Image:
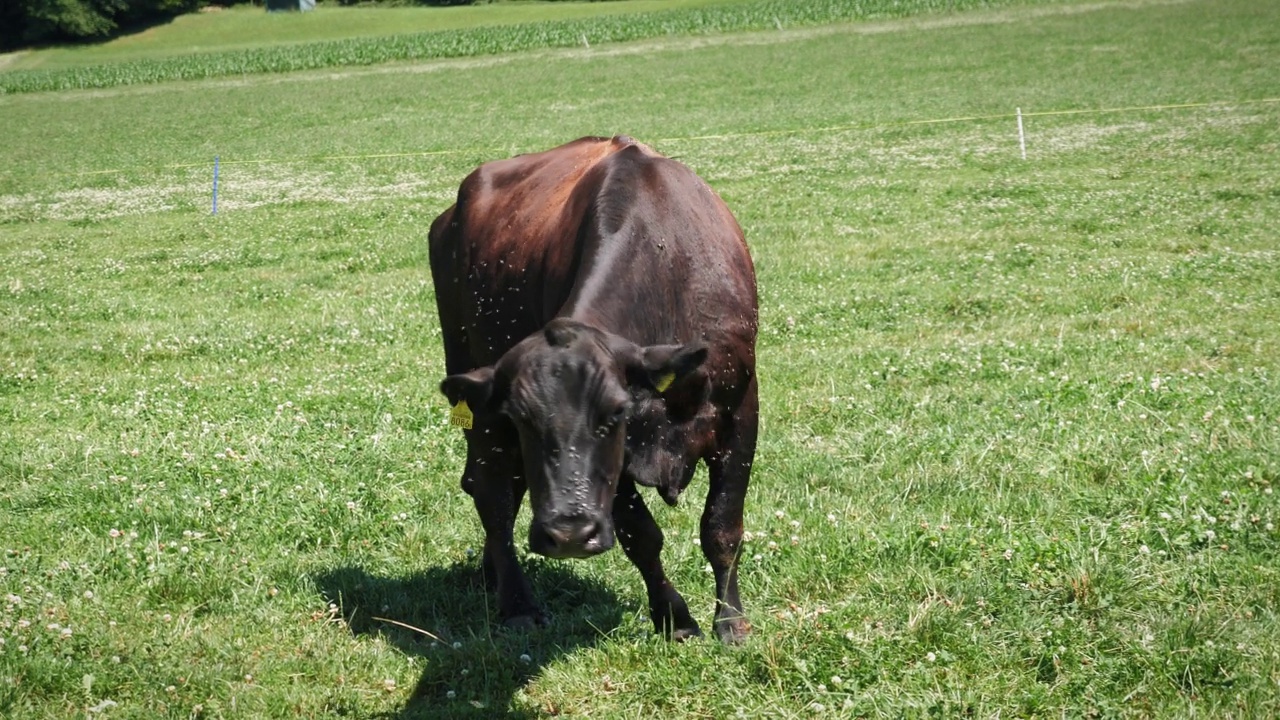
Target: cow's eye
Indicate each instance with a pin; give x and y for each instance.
(614, 419)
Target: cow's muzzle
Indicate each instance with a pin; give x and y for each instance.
(573, 536)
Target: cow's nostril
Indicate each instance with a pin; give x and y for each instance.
(569, 538)
(561, 535)
(573, 534)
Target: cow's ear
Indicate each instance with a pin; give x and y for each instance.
(665, 365)
(475, 387)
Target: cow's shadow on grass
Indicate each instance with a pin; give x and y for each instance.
(473, 665)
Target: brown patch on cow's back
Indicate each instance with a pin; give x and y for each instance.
(622, 142)
(550, 175)
(501, 189)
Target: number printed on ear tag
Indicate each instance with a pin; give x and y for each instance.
(460, 416)
(664, 382)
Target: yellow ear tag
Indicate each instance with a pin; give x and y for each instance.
(664, 382)
(460, 416)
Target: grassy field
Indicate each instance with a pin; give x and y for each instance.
(1019, 437)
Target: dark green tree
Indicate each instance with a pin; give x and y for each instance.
(24, 23)
(47, 20)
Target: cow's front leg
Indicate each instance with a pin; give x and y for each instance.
(730, 472)
(494, 482)
(641, 539)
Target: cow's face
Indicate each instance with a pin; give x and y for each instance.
(570, 392)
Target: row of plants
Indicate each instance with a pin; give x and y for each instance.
(760, 15)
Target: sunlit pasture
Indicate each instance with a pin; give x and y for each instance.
(1019, 435)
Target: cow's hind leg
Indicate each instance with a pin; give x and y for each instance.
(493, 481)
(730, 471)
(641, 539)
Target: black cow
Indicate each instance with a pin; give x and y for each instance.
(598, 305)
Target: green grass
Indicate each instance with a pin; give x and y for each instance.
(1019, 443)
(570, 25)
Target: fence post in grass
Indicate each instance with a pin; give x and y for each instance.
(1022, 139)
(215, 185)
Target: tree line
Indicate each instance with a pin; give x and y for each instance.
(30, 23)
(26, 23)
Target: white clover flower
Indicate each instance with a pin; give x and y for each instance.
(930, 657)
(525, 658)
(779, 514)
(451, 694)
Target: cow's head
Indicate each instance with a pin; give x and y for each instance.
(571, 391)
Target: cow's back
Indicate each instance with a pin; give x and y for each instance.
(599, 225)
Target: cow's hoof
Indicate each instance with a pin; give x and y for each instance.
(674, 622)
(733, 631)
(525, 622)
(682, 634)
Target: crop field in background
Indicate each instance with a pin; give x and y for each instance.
(1019, 437)
(467, 32)
(246, 26)
(243, 26)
